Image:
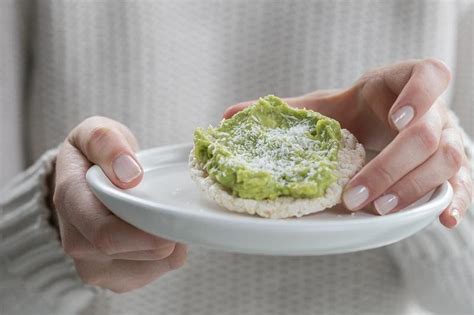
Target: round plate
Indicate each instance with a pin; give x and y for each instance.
(167, 203)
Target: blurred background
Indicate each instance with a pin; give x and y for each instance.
(60, 54)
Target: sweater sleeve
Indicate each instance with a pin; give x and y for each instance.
(32, 262)
(437, 263)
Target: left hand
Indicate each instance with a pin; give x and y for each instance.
(397, 110)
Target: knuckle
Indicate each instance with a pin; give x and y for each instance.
(67, 198)
(427, 137)
(93, 120)
(414, 187)
(438, 65)
(370, 75)
(59, 193)
(464, 181)
(372, 85)
(453, 154)
(382, 174)
(421, 88)
(96, 137)
(62, 192)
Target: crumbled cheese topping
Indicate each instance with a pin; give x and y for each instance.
(288, 154)
(270, 150)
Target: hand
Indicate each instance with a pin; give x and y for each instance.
(397, 110)
(107, 251)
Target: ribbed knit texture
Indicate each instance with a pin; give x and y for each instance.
(36, 277)
(165, 67)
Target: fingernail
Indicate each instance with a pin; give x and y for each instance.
(456, 215)
(402, 117)
(126, 168)
(355, 196)
(385, 203)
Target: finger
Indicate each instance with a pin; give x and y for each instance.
(125, 275)
(462, 187)
(120, 275)
(428, 79)
(377, 96)
(435, 171)
(409, 149)
(76, 245)
(331, 103)
(234, 109)
(104, 142)
(300, 102)
(152, 254)
(77, 205)
(462, 199)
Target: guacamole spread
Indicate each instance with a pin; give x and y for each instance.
(271, 150)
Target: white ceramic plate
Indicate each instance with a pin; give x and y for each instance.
(167, 203)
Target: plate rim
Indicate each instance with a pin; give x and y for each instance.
(104, 186)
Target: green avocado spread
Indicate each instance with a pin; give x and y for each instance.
(271, 150)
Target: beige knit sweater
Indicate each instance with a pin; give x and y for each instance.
(145, 63)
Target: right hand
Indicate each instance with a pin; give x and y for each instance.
(107, 251)
(396, 110)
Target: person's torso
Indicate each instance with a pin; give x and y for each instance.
(165, 67)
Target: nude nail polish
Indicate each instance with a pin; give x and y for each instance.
(355, 196)
(126, 168)
(402, 116)
(384, 204)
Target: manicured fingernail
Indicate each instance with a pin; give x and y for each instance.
(126, 168)
(402, 117)
(385, 203)
(456, 215)
(355, 196)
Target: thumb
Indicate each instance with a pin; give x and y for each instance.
(234, 109)
(110, 145)
(320, 101)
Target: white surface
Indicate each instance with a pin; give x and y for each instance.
(167, 203)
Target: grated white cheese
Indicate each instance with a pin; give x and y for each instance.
(288, 154)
